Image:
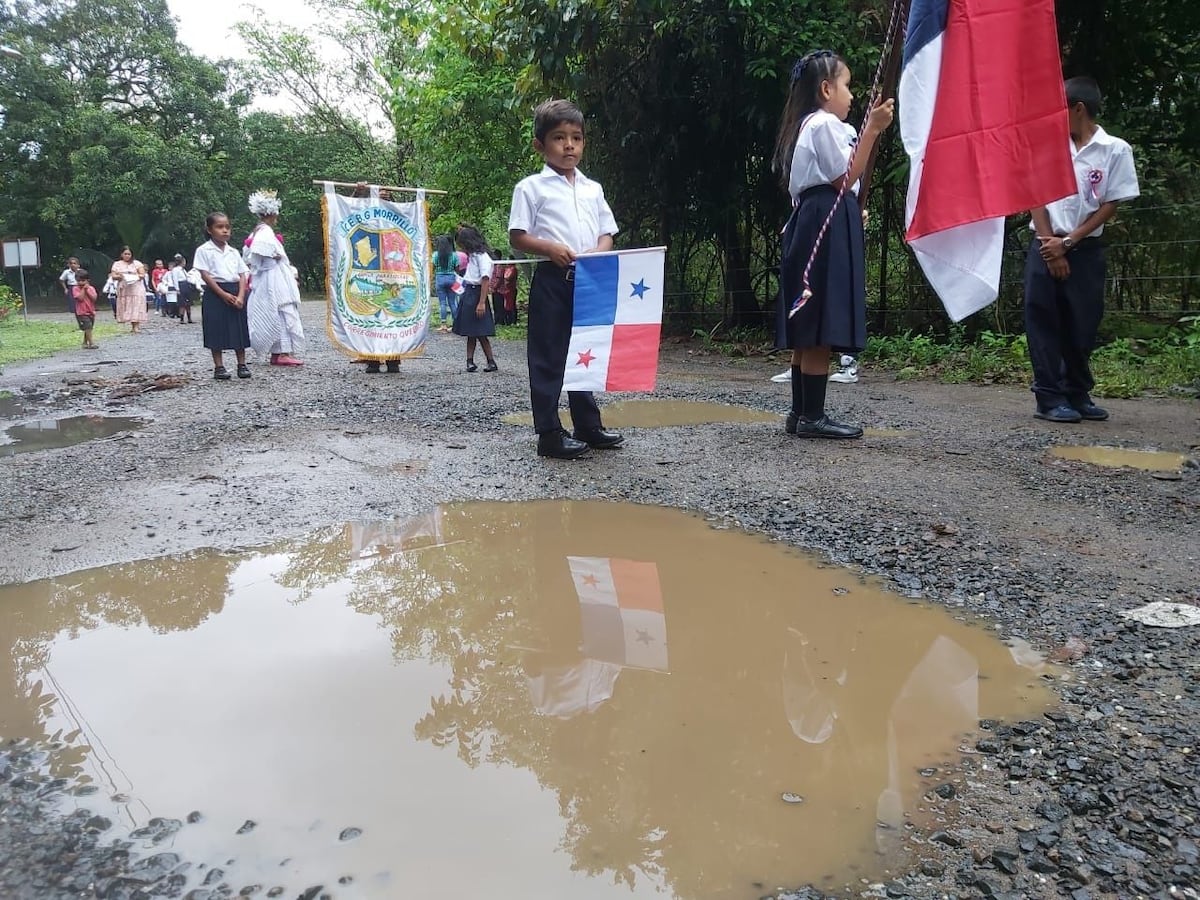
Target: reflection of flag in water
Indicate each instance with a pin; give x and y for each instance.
(617, 322)
(622, 611)
(369, 539)
(567, 691)
(983, 116)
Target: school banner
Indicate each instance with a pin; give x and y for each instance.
(377, 275)
(617, 321)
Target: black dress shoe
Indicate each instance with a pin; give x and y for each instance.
(599, 439)
(793, 419)
(372, 368)
(221, 373)
(560, 445)
(1060, 413)
(243, 371)
(826, 427)
(393, 366)
(1091, 411)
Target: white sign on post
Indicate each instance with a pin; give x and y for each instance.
(22, 254)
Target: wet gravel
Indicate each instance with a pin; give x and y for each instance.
(1097, 799)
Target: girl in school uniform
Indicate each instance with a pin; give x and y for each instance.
(223, 305)
(474, 317)
(811, 156)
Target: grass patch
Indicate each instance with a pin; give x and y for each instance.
(19, 341)
(1124, 367)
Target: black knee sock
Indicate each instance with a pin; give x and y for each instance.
(797, 391)
(814, 396)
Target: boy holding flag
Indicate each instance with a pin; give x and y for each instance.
(558, 214)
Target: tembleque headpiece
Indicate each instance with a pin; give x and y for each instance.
(264, 203)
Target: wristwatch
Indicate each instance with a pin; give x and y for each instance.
(1068, 243)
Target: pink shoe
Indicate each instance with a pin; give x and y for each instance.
(285, 360)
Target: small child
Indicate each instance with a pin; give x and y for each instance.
(474, 318)
(84, 296)
(812, 152)
(558, 214)
(223, 305)
(190, 286)
(110, 291)
(169, 286)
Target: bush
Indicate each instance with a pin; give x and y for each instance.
(10, 302)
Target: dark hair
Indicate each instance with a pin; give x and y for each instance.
(212, 220)
(469, 238)
(84, 274)
(443, 252)
(123, 249)
(552, 113)
(72, 259)
(1085, 90)
(804, 97)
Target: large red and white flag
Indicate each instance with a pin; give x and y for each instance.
(983, 116)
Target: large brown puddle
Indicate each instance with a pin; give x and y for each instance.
(52, 434)
(663, 414)
(552, 699)
(1115, 457)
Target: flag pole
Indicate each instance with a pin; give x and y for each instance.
(887, 88)
(540, 259)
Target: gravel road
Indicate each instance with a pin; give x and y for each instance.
(960, 503)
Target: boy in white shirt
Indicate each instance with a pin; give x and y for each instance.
(1065, 266)
(558, 214)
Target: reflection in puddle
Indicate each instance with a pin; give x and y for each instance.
(1115, 457)
(52, 434)
(663, 414)
(887, 433)
(10, 406)
(551, 699)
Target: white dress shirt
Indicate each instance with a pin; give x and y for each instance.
(479, 267)
(222, 264)
(822, 152)
(548, 206)
(1104, 173)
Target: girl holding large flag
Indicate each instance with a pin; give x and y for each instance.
(274, 306)
(823, 306)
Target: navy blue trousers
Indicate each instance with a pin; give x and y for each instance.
(551, 311)
(1062, 321)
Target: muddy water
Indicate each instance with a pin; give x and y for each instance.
(1115, 457)
(51, 434)
(663, 414)
(519, 700)
(10, 406)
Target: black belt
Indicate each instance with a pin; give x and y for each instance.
(550, 269)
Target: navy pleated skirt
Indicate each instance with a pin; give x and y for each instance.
(836, 314)
(466, 323)
(224, 327)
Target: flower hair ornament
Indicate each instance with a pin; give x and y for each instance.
(264, 203)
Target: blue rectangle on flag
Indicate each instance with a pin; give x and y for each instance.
(596, 290)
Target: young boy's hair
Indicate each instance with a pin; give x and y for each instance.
(1085, 90)
(82, 275)
(553, 113)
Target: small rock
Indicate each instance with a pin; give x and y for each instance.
(932, 868)
(248, 826)
(349, 834)
(946, 791)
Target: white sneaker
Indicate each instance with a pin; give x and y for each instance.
(783, 377)
(845, 375)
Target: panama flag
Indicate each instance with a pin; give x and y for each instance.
(620, 602)
(983, 116)
(618, 321)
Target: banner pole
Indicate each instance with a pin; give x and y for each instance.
(382, 187)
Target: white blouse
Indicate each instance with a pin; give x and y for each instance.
(822, 152)
(223, 264)
(479, 267)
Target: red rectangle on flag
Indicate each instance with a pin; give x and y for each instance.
(636, 584)
(633, 365)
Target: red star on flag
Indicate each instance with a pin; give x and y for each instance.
(590, 580)
(585, 358)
